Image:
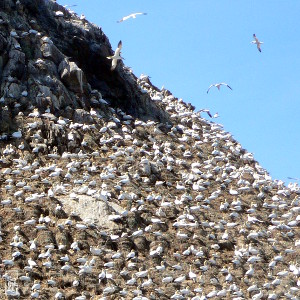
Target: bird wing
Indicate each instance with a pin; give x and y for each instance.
(210, 87)
(113, 64)
(208, 112)
(258, 47)
(120, 45)
(139, 13)
(125, 18)
(118, 50)
(223, 83)
(256, 39)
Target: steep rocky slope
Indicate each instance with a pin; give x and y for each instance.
(113, 189)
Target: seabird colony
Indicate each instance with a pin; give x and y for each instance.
(139, 209)
(177, 212)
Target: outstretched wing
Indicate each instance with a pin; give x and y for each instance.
(113, 64)
(118, 50)
(125, 18)
(210, 88)
(223, 83)
(256, 39)
(205, 110)
(258, 47)
(139, 13)
(208, 112)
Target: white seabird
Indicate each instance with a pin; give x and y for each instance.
(218, 85)
(116, 56)
(257, 42)
(133, 16)
(66, 6)
(207, 111)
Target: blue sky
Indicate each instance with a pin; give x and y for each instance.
(188, 45)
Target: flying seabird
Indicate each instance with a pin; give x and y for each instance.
(116, 56)
(257, 42)
(207, 111)
(218, 85)
(131, 16)
(66, 6)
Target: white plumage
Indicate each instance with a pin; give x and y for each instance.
(133, 16)
(116, 56)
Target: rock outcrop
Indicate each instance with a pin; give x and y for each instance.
(51, 58)
(113, 189)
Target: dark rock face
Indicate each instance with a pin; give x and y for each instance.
(58, 60)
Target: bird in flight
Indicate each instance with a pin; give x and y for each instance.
(66, 6)
(207, 111)
(257, 42)
(218, 85)
(216, 115)
(133, 16)
(116, 56)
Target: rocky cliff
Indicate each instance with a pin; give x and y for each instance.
(114, 189)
